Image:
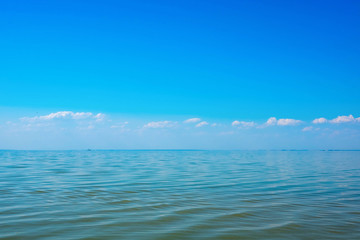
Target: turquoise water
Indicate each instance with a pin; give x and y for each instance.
(179, 195)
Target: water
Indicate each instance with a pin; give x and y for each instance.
(179, 195)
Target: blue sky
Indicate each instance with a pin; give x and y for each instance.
(154, 61)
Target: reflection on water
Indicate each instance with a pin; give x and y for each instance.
(179, 195)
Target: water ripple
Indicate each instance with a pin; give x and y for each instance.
(179, 195)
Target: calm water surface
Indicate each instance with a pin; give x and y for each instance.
(179, 195)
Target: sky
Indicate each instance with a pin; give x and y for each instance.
(129, 74)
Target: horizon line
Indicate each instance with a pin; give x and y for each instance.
(179, 149)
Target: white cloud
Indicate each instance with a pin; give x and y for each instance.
(310, 128)
(203, 123)
(306, 129)
(344, 119)
(159, 124)
(192, 120)
(320, 120)
(242, 123)
(99, 117)
(288, 122)
(81, 115)
(282, 122)
(271, 121)
(339, 119)
(65, 115)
